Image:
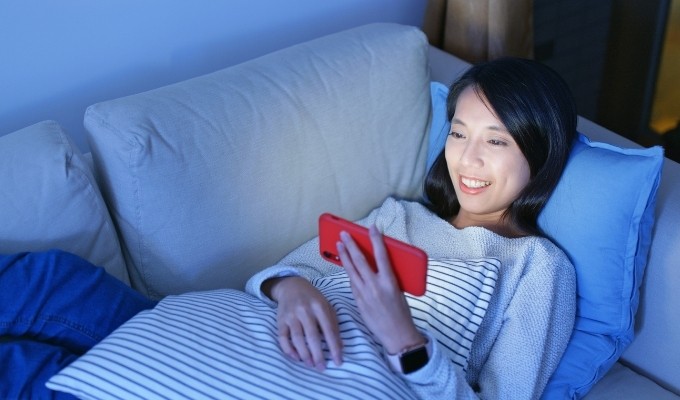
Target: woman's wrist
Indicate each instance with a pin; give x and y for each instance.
(404, 343)
(412, 358)
(269, 285)
(272, 287)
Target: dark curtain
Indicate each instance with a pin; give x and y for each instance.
(481, 30)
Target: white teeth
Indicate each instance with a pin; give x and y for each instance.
(474, 183)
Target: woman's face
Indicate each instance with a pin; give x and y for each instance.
(486, 166)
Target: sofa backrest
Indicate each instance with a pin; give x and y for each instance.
(211, 179)
(49, 199)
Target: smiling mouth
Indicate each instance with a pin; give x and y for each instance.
(474, 183)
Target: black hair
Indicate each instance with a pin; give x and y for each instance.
(538, 110)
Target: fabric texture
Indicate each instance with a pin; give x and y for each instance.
(613, 191)
(223, 344)
(480, 30)
(623, 383)
(49, 199)
(55, 307)
(601, 214)
(524, 330)
(439, 127)
(512, 363)
(27, 365)
(346, 114)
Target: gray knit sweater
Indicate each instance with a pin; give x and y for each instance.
(527, 324)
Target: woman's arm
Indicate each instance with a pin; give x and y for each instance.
(536, 319)
(537, 326)
(304, 316)
(304, 319)
(305, 261)
(385, 311)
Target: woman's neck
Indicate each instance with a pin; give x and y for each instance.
(496, 224)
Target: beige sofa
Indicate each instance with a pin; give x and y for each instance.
(200, 184)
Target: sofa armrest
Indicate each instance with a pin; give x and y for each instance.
(622, 383)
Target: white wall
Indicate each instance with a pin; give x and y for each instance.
(58, 57)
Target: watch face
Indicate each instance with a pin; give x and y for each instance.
(414, 360)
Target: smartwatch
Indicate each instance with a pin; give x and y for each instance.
(411, 359)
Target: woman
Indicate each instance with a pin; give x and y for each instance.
(512, 125)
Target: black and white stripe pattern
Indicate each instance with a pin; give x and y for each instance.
(458, 295)
(223, 344)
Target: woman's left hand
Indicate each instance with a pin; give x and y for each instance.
(382, 304)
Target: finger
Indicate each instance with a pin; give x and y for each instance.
(331, 332)
(297, 339)
(355, 254)
(313, 339)
(347, 263)
(382, 259)
(357, 282)
(310, 338)
(286, 345)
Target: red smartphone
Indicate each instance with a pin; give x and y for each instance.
(408, 262)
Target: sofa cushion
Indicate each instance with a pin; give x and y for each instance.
(601, 214)
(622, 383)
(49, 199)
(214, 178)
(223, 343)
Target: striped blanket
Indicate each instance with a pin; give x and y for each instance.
(223, 344)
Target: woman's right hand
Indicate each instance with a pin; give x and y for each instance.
(304, 319)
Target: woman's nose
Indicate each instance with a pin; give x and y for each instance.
(471, 154)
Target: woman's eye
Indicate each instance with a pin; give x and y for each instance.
(497, 142)
(456, 135)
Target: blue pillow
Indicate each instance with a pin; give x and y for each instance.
(439, 126)
(601, 214)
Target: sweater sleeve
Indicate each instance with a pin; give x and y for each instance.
(537, 324)
(439, 378)
(304, 261)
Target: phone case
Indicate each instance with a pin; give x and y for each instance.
(409, 263)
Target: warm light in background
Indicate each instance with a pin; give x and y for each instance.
(666, 107)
